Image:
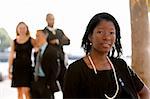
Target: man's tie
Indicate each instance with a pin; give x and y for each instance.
(38, 64)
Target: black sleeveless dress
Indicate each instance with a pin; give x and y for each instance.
(22, 65)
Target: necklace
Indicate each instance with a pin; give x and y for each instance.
(114, 72)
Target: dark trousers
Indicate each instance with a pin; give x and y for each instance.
(39, 89)
(60, 77)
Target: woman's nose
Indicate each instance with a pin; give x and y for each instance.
(106, 35)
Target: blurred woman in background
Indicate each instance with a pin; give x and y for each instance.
(20, 64)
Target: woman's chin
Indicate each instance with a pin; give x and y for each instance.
(106, 50)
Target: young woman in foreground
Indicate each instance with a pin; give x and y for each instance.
(101, 73)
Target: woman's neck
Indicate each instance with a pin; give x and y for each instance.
(98, 56)
(100, 60)
(22, 38)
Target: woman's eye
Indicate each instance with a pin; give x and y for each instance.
(100, 32)
(112, 32)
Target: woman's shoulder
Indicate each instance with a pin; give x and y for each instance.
(76, 65)
(32, 41)
(118, 60)
(14, 41)
(119, 63)
(20, 41)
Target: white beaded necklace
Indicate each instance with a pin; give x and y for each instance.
(114, 72)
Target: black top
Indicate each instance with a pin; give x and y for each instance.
(23, 52)
(82, 82)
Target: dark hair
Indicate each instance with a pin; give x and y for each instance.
(91, 26)
(27, 33)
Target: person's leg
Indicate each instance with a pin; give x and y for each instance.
(35, 94)
(20, 93)
(26, 91)
(46, 93)
(61, 75)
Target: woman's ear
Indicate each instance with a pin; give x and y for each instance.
(90, 37)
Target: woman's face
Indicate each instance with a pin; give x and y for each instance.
(22, 29)
(103, 37)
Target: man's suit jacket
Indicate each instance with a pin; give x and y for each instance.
(63, 40)
(49, 63)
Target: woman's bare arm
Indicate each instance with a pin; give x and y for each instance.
(10, 60)
(144, 93)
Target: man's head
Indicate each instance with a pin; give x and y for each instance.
(50, 19)
(41, 37)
